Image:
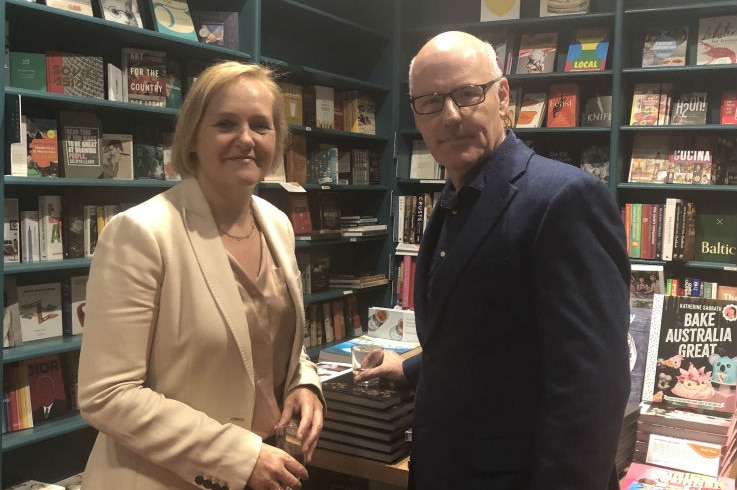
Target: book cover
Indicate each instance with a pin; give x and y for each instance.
(328, 211)
(148, 161)
(645, 104)
(378, 396)
(686, 419)
(173, 84)
(12, 333)
(370, 433)
(114, 83)
(717, 40)
(398, 417)
(499, 10)
(299, 212)
(16, 136)
(642, 475)
(727, 292)
(515, 96)
(728, 108)
(532, 110)
(689, 166)
(359, 112)
(82, 7)
(501, 41)
(172, 17)
(40, 311)
(48, 395)
(75, 74)
(28, 70)
(563, 7)
(360, 166)
(11, 231)
(167, 144)
(74, 294)
(322, 166)
(364, 439)
(595, 160)
(342, 352)
(73, 231)
(689, 108)
(563, 107)
(144, 76)
(422, 165)
(81, 144)
(30, 236)
(292, 102)
(295, 158)
(597, 111)
(117, 156)
(665, 46)
(43, 147)
(537, 52)
(649, 161)
(50, 227)
(716, 237)
(692, 359)
(588, 50)
(124, 12)
(217, 28)
(363, 452)
(324, 107)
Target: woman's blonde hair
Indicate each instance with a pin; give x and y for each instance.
(208, 83)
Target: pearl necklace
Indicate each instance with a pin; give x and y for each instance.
(238, 238)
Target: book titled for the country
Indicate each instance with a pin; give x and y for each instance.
(144, 76)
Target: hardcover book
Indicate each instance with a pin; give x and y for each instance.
(292, 100)
(379, 396)
(74, 294)
(83, 7)
(322, 166)
(75, 74)
(537, 52)
(422, 165)
(645, 104)
(359, 112)
(641, 475)
(28, 70)
(324, 107)
(342, 352)
(11, 231)
(515, 96)
(691, 355)
(532, 110)
(114, 83)
(588, 50)
(148, 161)
(393, 418)
(689, 108)
(16, 136)
(686, 419)
(563, 7)
(81, 144)
(665, 46)
(117, 156)
(717, 40)
(50, 227)
(649, 161)
(295, 158)
(12, 335)
(597, 111)
(40, 311)
(728, 109)
(144, 76)
(217, 28)
(43, 147)
(499, 10)
(363, 452)
(716, 237)
(172, 17)
(299, 212)
(364, 440)
(121, 12)
(30, 236)
(563, 107)
(48, 395)
(595, 160)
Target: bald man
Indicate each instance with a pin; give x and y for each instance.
(521, 298)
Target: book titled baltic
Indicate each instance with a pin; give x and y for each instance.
(499, 10)
(665, 46)
(588, 50)
(144, 76)
(717, 40)
(716, 237)
(75, 74)
(692, 357)
(40, 311)
(173, 18)
(563, 7)
(537, 52)
(642, 475)
(81, 144)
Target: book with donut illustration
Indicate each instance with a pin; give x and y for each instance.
(692, 357)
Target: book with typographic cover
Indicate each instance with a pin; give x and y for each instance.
(144, 76)
(717, 40)
(378, 396)
(728, 109)
(43, 147)
(537, 52)
(689, 108)
(48, 394)
(563, 110)
(716, 237)
(588, 49)
(691, 357)
(665, 46)
(81, 144)
(642, 475)
(597, 111)
(75, 74)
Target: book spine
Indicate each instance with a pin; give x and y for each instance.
(669, 227)
(636, 231)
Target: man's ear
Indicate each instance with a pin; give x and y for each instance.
(503, 97)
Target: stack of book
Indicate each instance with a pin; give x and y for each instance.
(626, 444)
(367, 421)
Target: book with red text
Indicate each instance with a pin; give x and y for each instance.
(641, 476)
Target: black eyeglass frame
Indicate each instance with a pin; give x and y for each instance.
(446, 95)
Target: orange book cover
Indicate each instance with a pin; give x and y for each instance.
(563, 110)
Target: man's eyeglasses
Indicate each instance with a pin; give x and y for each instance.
(461, 97)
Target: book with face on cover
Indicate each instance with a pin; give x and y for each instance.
(124, 12)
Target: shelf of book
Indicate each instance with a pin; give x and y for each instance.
(47, 265)
(39, 348)
(97, 183)
(42, 432)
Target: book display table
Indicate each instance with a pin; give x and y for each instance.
(392, 474)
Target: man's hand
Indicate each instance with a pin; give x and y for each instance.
(388, 366)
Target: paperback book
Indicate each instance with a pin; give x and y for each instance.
(172, 17)
(597, 111)
(499, 10)
(717, 40)
(537, 52)
(532, 110)
(217, 28)
(728, 109)
(124, 12)
(692, 358)
(716, 237)
(40, 311)
(28, 70)
(48, 395)
(588, 50)
(81, 144)
(689, 108)
(75, 74)
(563, 107)
(144, 76)
(43, 147)
(665, 46)
(641, 476)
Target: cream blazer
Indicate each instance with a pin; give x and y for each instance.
(166, 371)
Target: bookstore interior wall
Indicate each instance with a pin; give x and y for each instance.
(649, 118)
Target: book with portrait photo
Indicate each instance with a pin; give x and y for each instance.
(48, 395)
(124, 12)
(117, 156)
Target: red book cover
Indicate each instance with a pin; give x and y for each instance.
(299, 214)
(645, 223)
(48, 396)
(640, 475)
(728, 112)
(563, 106)
(54, 72)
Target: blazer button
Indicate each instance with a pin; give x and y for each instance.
(199, 480)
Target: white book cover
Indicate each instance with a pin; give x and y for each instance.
(49, 215)
(686, 455)
(422, 165)
(117, 156)
(11, 235)
(89, 212)
(499, 10)
(114, 83)
(717, 40)
(324, 107)
(40, 311)
(30, 238)
(12, 335)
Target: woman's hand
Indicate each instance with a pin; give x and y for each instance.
(276, 470)
(307, 404)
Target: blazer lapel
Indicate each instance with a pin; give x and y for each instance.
(213, 262)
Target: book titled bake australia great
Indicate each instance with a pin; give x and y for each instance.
(144, 76)
(642, 476)
(692, 355)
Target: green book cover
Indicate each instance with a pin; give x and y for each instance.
(716, 237)
(28, 70)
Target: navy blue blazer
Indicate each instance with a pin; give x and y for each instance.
(524, 374)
